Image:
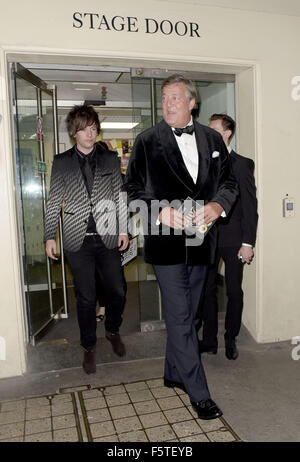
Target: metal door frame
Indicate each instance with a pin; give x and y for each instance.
(17, 69)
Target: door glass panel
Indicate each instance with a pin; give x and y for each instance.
(49, 150)
(219, 98)
(149, 295)
(30, 200)
(159, 115)
(141, 103)
(214, 97)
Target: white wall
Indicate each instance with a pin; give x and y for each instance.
(268, 126)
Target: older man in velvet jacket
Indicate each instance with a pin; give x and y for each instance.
(176, 159)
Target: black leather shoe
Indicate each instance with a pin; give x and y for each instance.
(89, 362)
(207, 409)
(231, 352)
(172, 384)
(209, 349)
(117, 344)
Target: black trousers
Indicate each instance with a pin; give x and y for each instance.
(100, 291)
(181, 288)
(94, 257)
(209, 312)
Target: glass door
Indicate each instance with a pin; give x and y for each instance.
(145, 115)
(216, 94)
(33, 113)
(48, 149)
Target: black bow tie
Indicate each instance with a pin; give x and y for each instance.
(189, 129)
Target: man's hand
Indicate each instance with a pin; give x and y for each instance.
(51, 249)
(172, 218)
(123, 242)
(210, 212)
(246, 254)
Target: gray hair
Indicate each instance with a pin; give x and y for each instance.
(178, 78)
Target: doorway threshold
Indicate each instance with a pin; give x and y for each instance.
(63, 354)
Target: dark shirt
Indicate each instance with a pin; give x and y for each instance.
(91, 228)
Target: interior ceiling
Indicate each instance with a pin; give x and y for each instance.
(76, 84)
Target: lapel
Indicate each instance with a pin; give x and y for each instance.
(175, 159)
(101, 170)
(203, 153)
(77, 175)
(97, 177)
(173, 155)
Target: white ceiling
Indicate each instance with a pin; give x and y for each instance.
(127, 98)
(123, 87)
(75, 85)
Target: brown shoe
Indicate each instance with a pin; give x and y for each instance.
(117, 344)
(89, 362)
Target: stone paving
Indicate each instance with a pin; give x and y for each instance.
(131, 412)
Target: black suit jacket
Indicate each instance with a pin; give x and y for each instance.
(156, 171)
(67, 184)
(241, 224)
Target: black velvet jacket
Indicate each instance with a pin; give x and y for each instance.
(156, 171)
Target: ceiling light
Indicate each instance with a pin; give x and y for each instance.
(85, 83)
(82, 89)
(118, 125)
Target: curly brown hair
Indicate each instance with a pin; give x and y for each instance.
(81, 117)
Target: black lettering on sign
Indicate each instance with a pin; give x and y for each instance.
(121, 23)
(77, 17)
(131, 24)
(194, 28)
(179, 28)
(91, 15)
(149, 26)
(166, 27)
(104, 22)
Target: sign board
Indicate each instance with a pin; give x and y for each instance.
(41, 167)
(39, 129)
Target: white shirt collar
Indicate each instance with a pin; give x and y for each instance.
(190, 123)
(229, 148)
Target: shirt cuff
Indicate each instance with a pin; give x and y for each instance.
(247, 245)
(223, 214)
(157, 222)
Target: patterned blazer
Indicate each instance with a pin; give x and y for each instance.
(108, 208)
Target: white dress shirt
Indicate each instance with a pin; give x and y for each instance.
(189, 151)
(188, 148)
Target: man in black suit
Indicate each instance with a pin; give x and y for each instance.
(87, 179)
(175, 159)
(237, 235)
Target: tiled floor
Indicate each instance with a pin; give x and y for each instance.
(131, 412)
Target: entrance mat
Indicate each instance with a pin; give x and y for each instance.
(129, 412)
